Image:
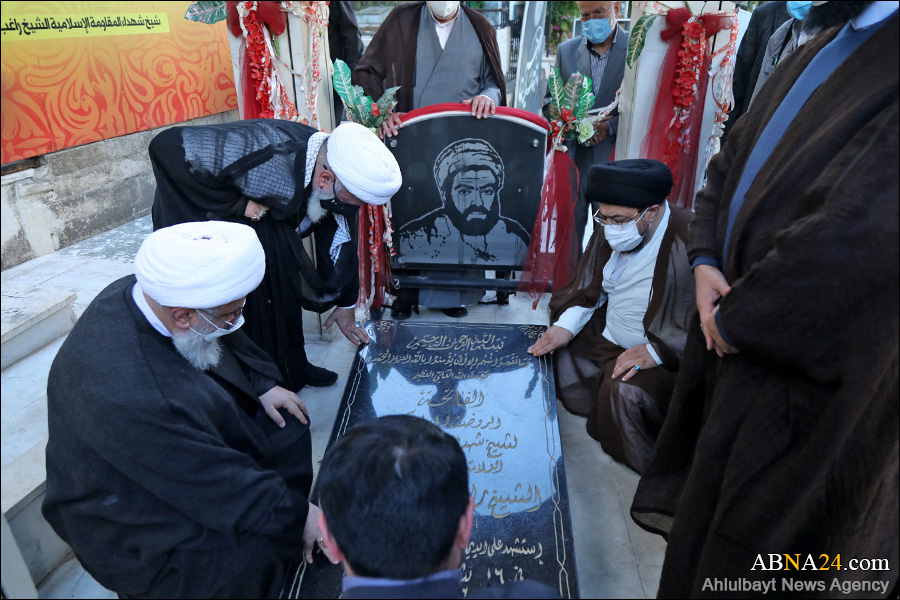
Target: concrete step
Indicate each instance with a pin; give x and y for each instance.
(22, 456)
(32, 318)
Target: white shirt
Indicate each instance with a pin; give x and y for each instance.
(628, 286)
(443, 29)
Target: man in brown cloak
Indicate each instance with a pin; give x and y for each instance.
(436, 52)
(784, 441)
(620, 325)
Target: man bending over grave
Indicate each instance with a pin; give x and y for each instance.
(287, 181)
(394, 493)
(164, 473)
(468, 228)
(620, 325)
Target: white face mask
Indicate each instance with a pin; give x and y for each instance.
(443, 10)
(218, 331)
(623, 238)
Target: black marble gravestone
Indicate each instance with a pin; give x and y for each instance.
(476, 382)
(471, 188)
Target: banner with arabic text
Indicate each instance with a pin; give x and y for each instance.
(79, 72)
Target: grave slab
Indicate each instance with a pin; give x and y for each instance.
(478, 383)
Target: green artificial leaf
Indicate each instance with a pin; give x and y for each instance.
(572, 91)
(363, 105)
(207, 11)
(555, 86)
(585, 102)
(365, 109)
(637, 38)
(386, 103)
(343, 87)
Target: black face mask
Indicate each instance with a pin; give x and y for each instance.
(341, 208)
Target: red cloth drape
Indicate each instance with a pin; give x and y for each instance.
(551, 253)
(665, 134)
(254, 62)
(374, 261)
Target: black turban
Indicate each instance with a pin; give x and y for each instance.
(636, 182)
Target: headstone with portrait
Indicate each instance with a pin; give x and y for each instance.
(478, 383)
(471, 188)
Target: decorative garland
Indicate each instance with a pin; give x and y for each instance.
(722, 90)
(271, 97)
(315, 14)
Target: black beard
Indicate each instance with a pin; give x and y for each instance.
(832, 14)
(474, 227)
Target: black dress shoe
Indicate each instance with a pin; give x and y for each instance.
(455, 313)
(314, 376)
(401, 313)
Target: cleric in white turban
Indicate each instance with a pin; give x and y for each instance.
(282, 179)
(164, 473)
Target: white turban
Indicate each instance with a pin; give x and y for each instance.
(363, 163)
(200, 265)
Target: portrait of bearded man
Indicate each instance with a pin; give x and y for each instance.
(468, 228)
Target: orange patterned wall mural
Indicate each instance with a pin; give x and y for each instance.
(79, 72)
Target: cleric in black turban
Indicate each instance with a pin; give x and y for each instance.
(619, 326)
(636, 182)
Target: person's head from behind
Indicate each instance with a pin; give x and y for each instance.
(630, 194)
(469, 175)
(395, 499)
(196, 277)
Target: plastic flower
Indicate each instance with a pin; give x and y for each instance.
(585, 131)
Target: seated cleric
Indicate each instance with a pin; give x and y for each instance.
(164, 473)
(396, 510)
(619, 327)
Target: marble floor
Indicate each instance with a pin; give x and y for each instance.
(614, 557)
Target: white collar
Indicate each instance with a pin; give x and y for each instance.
(875, 13)
(137, 293)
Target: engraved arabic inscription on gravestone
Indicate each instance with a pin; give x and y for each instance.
(478, 383)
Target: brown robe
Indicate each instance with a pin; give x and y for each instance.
(626, 417)
(791, 445)
(390, 58)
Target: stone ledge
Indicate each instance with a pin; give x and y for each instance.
(31, 318)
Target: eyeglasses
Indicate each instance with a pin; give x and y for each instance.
(229, 318)
(606, 221)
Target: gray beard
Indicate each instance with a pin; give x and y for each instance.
(201, 354)
(314, 209)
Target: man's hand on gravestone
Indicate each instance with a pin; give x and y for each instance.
(553, 339)
(346, 321)
(312, 535)
(633, 361)
(278, 397)
(391, 125)
(482, 106)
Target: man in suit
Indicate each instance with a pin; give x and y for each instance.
(398, 514)
(599, 53)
